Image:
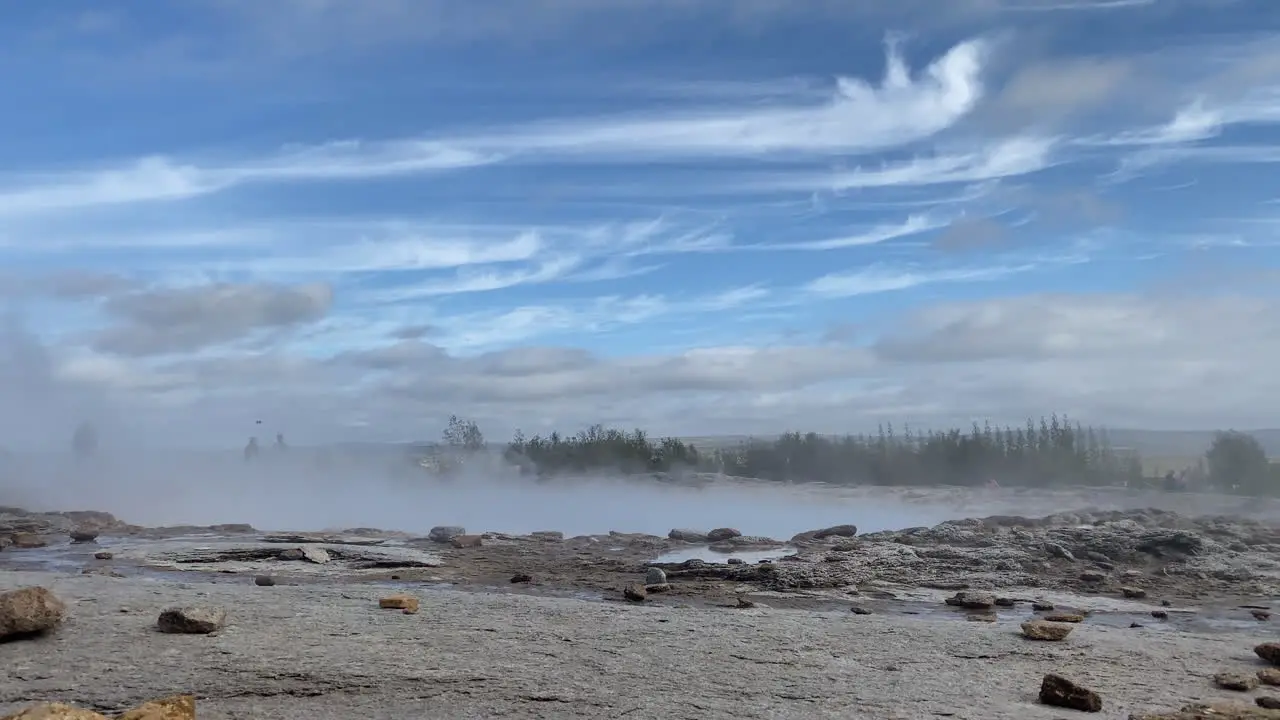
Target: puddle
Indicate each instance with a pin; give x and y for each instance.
(707, 555)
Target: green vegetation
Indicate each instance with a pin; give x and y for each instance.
(1050, 452)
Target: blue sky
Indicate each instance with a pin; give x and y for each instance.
(700, 216)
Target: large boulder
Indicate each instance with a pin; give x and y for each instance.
(30, 610)
(722, 534)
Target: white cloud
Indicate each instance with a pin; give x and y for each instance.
(1127, 360)
(1007, 158)
(160, 178)
(858, 118)
(913, 225)
(880, 278)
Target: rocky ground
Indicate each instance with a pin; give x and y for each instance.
(321, 651)
(1164, 602)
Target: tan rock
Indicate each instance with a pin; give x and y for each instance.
(400, 601)
(178, 707)
(54, 711)
(1058, 691)
(635, 592)
(1133, 593)
(1240, 682)
(30, 610)
(467, 541)
(192, 620)
(1269, 676)
(1042, 630)
(1065, 618)
(1268, 651)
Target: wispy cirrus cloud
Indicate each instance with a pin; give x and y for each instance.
(159, 178)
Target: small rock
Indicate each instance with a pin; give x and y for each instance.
(972, 600)
(83, 535)
(467, 541)
(1133, 593)
(1042, 606)
(859, 610)
(655, 576)
(400, 601)
(1043, 630)
(1005, 602)
(521, 578)
(264, 581)
(192, 620)
(689, 536)
(1058, 691)
(1260, 614)
(722, 534)
(102, 555)
(445, 533)
(1268, 651)
(291, 554)
(1270, 702)
(1092, 576)
(30, 610)
(1065, 618)
(657, 588)
(1056, 550)
(1240, 682)
(745, 604)
(736, 561)
(178, 707)
(1133, 625)
(1269, 676)
(1160, 614)
(635, 592)
(1166, 603)
(1098, 557)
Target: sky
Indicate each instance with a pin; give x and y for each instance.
(350, 219)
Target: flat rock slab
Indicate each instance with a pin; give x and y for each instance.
(318, 651)
(260, 557)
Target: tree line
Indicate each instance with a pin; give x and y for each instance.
(1052, 451)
